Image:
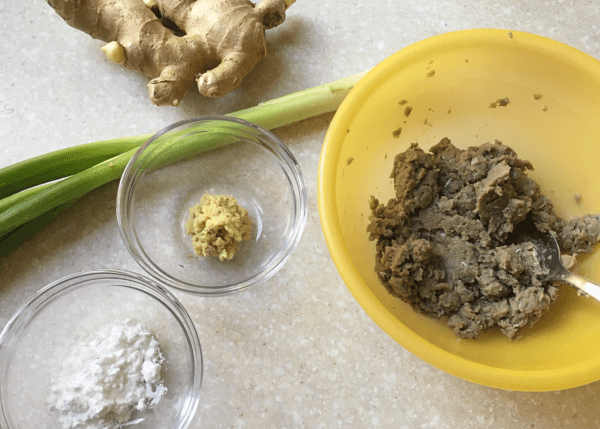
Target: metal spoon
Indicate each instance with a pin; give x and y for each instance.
(549, 256)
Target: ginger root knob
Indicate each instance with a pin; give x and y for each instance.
(215, 43)
(115, 52)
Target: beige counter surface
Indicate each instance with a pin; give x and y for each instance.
(297, 352)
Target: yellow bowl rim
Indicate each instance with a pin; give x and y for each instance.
(521, 380)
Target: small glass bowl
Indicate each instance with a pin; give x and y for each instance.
(41, 335)
(216, 155)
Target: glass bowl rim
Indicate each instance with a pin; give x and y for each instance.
(20, 320)
(129, 180)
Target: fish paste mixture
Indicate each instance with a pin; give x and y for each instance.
(443, 242)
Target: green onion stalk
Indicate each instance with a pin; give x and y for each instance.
(36, 191)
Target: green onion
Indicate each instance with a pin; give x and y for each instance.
(62, 163)
(86, 167)
(17, 236)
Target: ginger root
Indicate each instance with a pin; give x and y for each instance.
(176, 42)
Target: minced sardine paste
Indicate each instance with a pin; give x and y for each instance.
(443, 242)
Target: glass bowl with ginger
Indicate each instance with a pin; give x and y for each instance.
(212, 205)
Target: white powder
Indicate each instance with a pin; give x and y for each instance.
(103, 382)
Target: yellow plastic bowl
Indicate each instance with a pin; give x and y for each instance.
(450, 81)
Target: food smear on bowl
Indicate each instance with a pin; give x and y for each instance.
(502, 102)
(218, 224)
(109, 380)
(443, 242)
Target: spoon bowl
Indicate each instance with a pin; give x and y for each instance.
(548, 252)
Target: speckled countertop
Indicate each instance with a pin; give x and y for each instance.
(297, 352)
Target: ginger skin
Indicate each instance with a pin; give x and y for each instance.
(176, 42)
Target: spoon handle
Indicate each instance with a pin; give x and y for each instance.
(587, 286)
